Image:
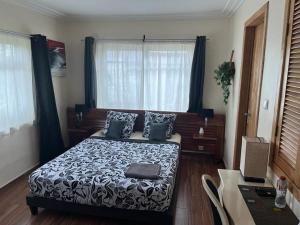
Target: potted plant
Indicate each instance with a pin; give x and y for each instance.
(224, 76)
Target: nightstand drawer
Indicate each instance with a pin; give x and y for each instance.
(204, 144)
(206, 147)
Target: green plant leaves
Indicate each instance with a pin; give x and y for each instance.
(224, 75)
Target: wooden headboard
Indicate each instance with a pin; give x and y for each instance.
(186, 124)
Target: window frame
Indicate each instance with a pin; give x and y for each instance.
(183, 51)
(21, 45)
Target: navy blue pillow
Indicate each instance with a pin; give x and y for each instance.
(158, 131)
(115, 129)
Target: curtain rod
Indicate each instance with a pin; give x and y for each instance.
(144, 39)
(15, 33)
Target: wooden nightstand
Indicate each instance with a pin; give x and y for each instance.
(205, 144)
(211, 142)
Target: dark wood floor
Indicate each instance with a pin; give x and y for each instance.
(192, 204)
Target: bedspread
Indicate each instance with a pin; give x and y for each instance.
(93, 173)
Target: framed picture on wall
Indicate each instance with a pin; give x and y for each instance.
(57, 58)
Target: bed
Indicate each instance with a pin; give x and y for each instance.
(89, 178)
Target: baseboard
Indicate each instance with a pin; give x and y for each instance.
(18, 176)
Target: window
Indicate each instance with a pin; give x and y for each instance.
(287, 156)
(119, 75)
(16, 93)
(150, 76)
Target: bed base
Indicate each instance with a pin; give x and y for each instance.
(163, 218)
(105, 212)
(142, 216)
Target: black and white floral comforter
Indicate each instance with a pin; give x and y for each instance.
(93, 173)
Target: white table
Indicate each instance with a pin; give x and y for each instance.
(232, 198)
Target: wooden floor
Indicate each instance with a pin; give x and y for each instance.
(192, 204)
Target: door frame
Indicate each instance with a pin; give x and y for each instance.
(261, 16)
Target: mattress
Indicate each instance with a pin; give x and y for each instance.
(138, 135)
(92, 173)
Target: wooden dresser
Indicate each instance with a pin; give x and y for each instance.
(187, 124)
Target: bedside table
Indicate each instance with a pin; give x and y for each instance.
(208, 144)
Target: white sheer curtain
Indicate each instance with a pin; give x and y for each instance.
(119, 68)
(167, 73)
(136, 75)
(16, 93)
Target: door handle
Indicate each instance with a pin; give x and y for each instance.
(247, 114)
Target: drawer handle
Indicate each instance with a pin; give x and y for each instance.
(200, 147)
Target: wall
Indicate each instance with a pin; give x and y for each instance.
(271, 75)
(19, 150)
(217, 48)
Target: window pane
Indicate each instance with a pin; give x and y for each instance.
(119, 75)
(151, 76)
(16, 95)
(167, 75)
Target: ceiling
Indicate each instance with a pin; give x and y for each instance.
(87, 9)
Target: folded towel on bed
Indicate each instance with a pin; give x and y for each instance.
(143, 171)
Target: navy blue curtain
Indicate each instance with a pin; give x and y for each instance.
(197, 76)
(89, 73)
(50, 138)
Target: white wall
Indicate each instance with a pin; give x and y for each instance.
(271, 75)
(19, 150)
(217, 48)
(272, 69)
